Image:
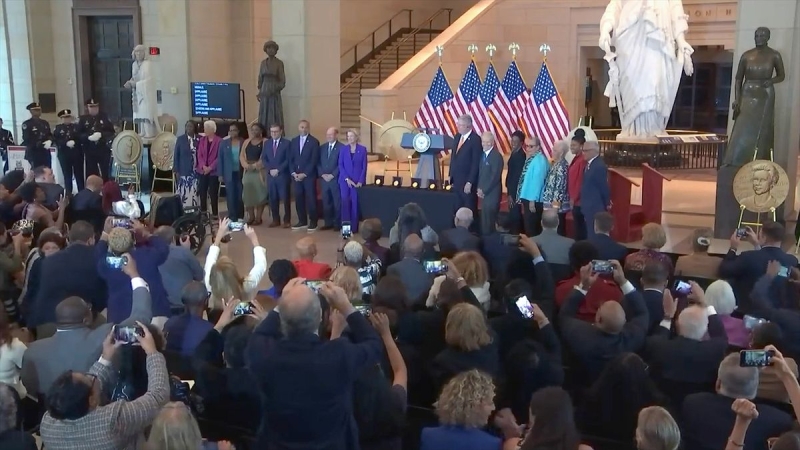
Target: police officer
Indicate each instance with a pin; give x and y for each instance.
(36, 137)
(96, 131)
(6, 139)
(70, 153)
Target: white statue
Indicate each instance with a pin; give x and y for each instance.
(143, 83)
(650, 51)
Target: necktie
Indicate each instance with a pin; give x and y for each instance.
(460, 143)
(330, 149)
(302, 143)
(274, 148)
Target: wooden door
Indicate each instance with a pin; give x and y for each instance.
(110, 45)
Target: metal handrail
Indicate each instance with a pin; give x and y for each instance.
(371, 36)
(396, 48)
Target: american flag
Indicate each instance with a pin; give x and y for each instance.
(490, 91)
(509, 105)
(466, 100)
(550, 117)
(434, 110)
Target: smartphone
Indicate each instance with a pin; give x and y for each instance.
(241, 309)
(314, 285)
(524, 306)
(751, 322)
(346, 230)
(435, 267)
(682, 288)
(783, 272)
(602, 267)
(366, 310)
(127, 335)
(122, 222)
(741, 233)
(116, 262)
(511, 240)
(755, 358)
(235, 226)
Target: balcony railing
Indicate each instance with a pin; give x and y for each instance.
(695, 155)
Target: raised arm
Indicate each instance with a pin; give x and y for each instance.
(142, 304)
(259, 261)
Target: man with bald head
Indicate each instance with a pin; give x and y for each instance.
(411, 271)
(306, 266)
(89, 198)
(595, 192)
(328, 171)
(490, 179)
(306, 383)
(612, 333)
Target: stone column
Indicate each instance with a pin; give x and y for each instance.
(16, 66)
(307, 32)
(783, 19)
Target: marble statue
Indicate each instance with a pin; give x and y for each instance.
(650, 51)
(753, 133)
(143, 84)
(271, 81)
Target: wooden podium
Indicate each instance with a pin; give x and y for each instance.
(629, 219)
(652, 193)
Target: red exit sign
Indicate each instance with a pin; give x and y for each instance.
(155, 51)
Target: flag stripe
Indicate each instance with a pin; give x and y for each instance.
(545, 113)
(434, 110)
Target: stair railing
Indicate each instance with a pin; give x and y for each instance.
(366, 48)
(394, 51)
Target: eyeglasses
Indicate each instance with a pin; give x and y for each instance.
(531, 145)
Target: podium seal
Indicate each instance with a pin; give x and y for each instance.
(422, 142)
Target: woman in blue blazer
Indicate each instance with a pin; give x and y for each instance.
(183, 163)
(230, 171)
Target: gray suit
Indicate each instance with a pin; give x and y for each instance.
(75, 348)
(414, 278)
(331, 201)
(490, 178)
(458, 239)
(554, 246)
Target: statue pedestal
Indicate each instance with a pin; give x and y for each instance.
(637, 139)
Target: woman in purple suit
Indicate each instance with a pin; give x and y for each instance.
(352, 175)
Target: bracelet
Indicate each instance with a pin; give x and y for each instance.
(735, 444)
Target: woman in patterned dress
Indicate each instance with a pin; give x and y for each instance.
(555, 193)
(185, 157)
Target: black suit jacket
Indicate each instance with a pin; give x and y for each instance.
(305, 163)
(608, 248)
(70, 272)
(458, 239)
(744, 270)
(515, 164)
(464, 162)
(86, 200)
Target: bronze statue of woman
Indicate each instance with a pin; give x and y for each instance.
(271, 81)
(753, 134)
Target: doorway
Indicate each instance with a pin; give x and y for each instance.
(110, 43)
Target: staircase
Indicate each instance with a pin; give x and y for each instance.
(382, 62)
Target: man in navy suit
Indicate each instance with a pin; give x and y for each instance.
(607, 247)
(595, 193)
(303, 160)
(328, 171)
(276, 160)
(465, 159)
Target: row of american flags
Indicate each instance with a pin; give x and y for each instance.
(501, 107)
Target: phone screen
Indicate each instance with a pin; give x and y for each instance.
(242, 308)
(366, 310)
(682, 288)
(750, 322)
(236, 226)
(755, 358)
(127, 335)
(314, 285)
(121, 222)
(783, 272)
(346, 230)
(741, 233)
(511, 240)
(602, 267)
(115, 262)
(435, 267)
(524, 306)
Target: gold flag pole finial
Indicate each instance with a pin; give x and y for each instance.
(439, 51)
(490, 49)
(472, 49)
(513, 48)
(544, 48)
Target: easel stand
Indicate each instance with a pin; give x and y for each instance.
(397, 170)
(757, 224)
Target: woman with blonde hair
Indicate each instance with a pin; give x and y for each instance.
(475, 271)
(653, 238)
(222, 277)
(347, 278)
(352, 175)
(657, 430)
(174, 428)
(470, 345)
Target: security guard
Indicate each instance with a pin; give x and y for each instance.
(96, 131)
(6, 139)
(70, 153)
(36, 137)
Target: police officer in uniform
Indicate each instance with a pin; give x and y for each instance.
(36, 137)
(6, 139)
(70, 153)
(96, 131)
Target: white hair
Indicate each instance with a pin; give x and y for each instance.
(353, 254)
(562, 146)
(719, 294)
(137, 48)
(488, 134)
(736, 381)
(466, 119)
(464, 217)
(210, 124)
(693, 323)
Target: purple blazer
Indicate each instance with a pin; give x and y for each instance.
(208, 155)
(353, 166)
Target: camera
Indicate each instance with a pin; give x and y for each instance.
(511, 240)
(242, 308)
(347, 232)
(128, 335)
(602, 267)
(236, 226)
(122, 222)
(755, 358)
(116, 262)
(435, 267)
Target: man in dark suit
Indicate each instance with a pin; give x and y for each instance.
(465, 157)
(303, 161)
(89, 199)
(490, 177)
(595, 192)
(745, 269)
(329, 175)
(276, 161)
(612, 333)
(72, 272)
(459, 239)
(655, 278)
(76, 346)
(516, 161)
(607, 247)
(411, 271)
(708, 418)
(296, 370)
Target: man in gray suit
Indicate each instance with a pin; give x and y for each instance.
(411, 271)
(459, 239)
(490, 178)
(329, 173)
(75, 346)
(554, 246)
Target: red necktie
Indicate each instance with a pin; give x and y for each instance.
(274, 148)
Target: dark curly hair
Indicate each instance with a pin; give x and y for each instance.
(68, 398)
(28, 191)
(580, 136)
(582, 253)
